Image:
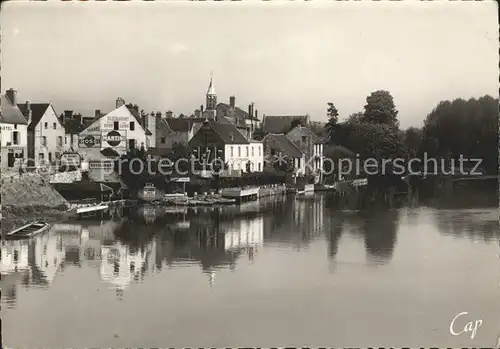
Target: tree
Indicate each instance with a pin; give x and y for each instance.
(331, 127)
(467, 128)
(258, 134)
(332, 112)
(380, 109)
(295, 123)
(413, 140)
(355, 118)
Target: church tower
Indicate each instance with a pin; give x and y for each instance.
(211, 98)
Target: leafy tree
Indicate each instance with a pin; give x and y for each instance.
(332, 127)
(258, 134)
(332, 113)
(467, 128)
(295, 123)
(380, 109)
(355, 118)
(413, 140)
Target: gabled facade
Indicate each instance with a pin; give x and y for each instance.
(310, 145)
(176, 130)
(13, 132)
(46, 133)
(120, 130)
(278, 146)
(223, 141)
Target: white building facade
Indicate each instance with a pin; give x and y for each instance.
(121, 130)
(13, 132)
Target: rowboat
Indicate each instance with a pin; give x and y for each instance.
(28, 230)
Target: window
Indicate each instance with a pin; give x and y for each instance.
(65, 140)
(54, 126)
(162, 139)
(132, 127)
(131, 144)
(247, 151)
(46, 125)
(15, 126)
(44, 141)
(50, 157)
(259, 166)
(239, 151)
(41, 156)
(260, 151)
(15, 137)
(59, 140)
(231, 152)
(116, 125)
(273, 151)
(252, 151)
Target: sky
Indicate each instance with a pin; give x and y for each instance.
(286, 57)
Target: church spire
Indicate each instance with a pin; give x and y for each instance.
(211, 89)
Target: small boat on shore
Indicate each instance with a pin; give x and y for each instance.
(27, 231)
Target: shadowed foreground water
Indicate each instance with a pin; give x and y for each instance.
(279, 273)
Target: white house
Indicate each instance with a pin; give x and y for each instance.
(224, 141)
(13, 131)
(120, 130)
(45, 132)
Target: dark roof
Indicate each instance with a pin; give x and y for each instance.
(182, 124)
(157, 151)
(109, 152)
(9, 113)
(74, 126)
(286, 146)
(229, 133)
(224, 120)
(306, 131)
(281, 123)
(37, 111)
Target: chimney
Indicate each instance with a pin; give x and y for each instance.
(119, 102)
(78, 117)
(12, 96)
(158, 115)
(169, 114)
(28, 110)
(97, 113)
(197, 113)
(232, 101)
(201, 109)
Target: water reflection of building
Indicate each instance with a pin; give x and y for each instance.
(245, 233)
(13, 256)
(120, 264)
(47, 255)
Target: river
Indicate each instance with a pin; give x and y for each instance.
(282, 272)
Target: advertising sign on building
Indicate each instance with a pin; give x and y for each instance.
(115, 139)
(71, 159)
(89, 141)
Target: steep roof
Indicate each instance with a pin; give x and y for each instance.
(74, 126)
(229, 133)
(306, 131)
(236, 112)
(286, 146)
(281, 123)
(211, 89)
(37, 111)
(182, 124)
(9, 113)
(134, 113)
(225, 120)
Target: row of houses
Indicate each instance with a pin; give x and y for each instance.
(223, 131)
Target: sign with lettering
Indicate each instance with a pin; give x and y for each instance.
(111, 126)
(89, 141)
(93, 128)
(117, 118)
(114, 138)
(73, 159)
(6, 127)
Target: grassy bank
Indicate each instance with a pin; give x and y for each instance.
(15, 216)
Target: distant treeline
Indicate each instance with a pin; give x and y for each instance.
(453, 128)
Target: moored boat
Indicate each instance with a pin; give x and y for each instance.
(27, 231)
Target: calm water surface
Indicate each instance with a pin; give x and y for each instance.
(280, 273)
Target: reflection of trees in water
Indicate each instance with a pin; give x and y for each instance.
(481, 225)
(379, 231)
(334, 235)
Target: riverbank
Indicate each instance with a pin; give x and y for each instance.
(15, 216)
